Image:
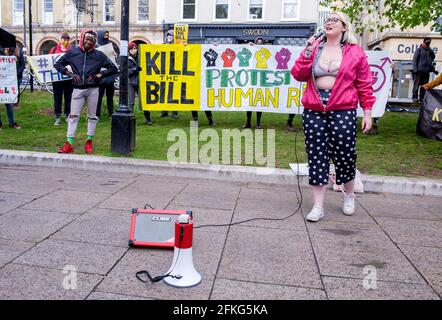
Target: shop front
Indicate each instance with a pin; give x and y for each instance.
(402, 51)
(294, 34)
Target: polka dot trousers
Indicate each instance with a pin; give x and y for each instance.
(330, 136)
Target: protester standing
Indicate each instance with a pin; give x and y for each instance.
(169, 39)
(258, 41)
(422, 66)
(10, 106)
(338, 77)
(107, 84)
(86, 64)
(62, 88)
(133, 88)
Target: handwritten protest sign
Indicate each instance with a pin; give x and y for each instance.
(235, 78)
(43, 68)
(8, 79)
(180, 33)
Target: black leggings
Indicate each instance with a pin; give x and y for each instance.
(330, 135)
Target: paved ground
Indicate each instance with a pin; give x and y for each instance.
(51, 218)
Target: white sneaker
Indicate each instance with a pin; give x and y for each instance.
(349, 205)
(316, 214)
(57, 122)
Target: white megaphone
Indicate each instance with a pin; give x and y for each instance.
(183, 273)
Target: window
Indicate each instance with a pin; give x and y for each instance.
(143, 11)
(221, 9)
(47, 11)
(109, 10)
(17, 12)
(77, 17)
(290, 9)
(189, 9)
(324, 12)
(438, 27)
(255, 9)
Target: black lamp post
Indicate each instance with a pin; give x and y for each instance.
(123, 120)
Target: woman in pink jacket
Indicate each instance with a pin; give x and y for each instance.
(338, 78)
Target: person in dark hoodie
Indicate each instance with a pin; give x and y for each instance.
(107, 83)
(87, 64)
(134, 69)
(422, 66)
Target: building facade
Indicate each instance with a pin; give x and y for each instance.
(223, 21)
(402, 46)
(51, 17)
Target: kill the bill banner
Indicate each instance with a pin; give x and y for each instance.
(235, 78)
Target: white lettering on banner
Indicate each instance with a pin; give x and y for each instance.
(8, 79)
(257, 78)
(43, 68)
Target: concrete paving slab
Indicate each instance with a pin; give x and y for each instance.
(156, 193)
(389, 265)
(30, 187)
(252, 208)
(19, 282)
(122, 279)
(273, 256)
(203, 197)
(32, 225)
(429, 263)
(353, 289)
(226, 289)
(11, 249)
(413, 232)
(85, 257)
(76, 202)
(10, 201)
(99, 226)
(349, 236)
(96, 295)
(400, 206)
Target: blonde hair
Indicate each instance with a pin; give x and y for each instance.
(348, 36)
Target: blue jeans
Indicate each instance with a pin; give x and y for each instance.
(10, 113)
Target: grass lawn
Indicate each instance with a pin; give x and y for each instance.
(396, 150)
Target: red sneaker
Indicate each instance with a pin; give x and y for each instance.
(88, 146)
(67, 148)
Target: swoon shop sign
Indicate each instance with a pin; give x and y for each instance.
(233, 78)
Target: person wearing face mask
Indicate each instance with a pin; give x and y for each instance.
(86, 64)
(338, 78)
(133, 89)
(107, 83)
(422, 66)
(62, 88)
(169, 39)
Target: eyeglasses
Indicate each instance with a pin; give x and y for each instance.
(331, 20)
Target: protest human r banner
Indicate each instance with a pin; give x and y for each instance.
(235, 78)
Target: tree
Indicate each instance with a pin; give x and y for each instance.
(382, 14)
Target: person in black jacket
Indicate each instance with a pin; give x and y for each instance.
(422, 66)
(86, 64)
(106, 83)
(134, 69)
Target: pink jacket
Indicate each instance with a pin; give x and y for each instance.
(353, 81)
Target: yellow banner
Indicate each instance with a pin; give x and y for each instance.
(181, 33)
(170, 79)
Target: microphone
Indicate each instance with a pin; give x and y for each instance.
(317, 35)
